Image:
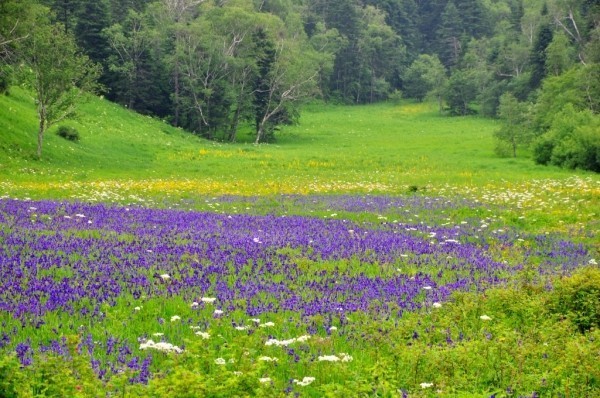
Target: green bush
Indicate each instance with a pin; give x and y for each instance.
(542, 150)
(577, 298)
(4, 83)
(572, 142)
(68, 133)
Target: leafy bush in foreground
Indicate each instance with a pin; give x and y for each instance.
(502, 343)
(578, 299)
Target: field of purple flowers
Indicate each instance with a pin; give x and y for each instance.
(137, 284)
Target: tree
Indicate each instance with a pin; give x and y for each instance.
(538, 56)
(130, 44)
(287, 74)
(93, 18)
(59, 76)
(460, 91)
(426, 76)
(380, 53)
(65, 12)
(513, 132)
(170, 19)
(559, 55)
(15, 26)
(450, 35)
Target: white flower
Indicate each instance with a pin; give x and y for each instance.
(204, 335)
(240, 328)
(437, 305)
(485, 318)
(162, 346)
(165, 277)
(268, 359)
(218, 312)
(302, 339)
(593, 262)
(427, 287)
(331, 329)
(255, 320)
(328, 358)
(175, 318)
(305, 381)
(137, 308)
(208, 300)
(220, 361)
(426, 385)
(256, 240)
(346, 357)
(266, 324)
(194, 304)
(265, 380)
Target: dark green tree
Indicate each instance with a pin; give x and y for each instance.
(92, 19)
(265, 59)
(65, 12)
(460, 91)
(538, 56)
(450, 35)
(473, 17)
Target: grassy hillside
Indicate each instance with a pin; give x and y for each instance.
(382, 148)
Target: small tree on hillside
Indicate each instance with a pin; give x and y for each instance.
(58, 73)
(514, 131)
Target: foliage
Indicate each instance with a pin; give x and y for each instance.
(504, 342)
(573, 140)
(56, 71)
(460, 92)
(577, 298)
(514, 131)
(68, 133)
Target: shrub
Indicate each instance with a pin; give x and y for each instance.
(4, 83)
(68, 133)
(577, 298)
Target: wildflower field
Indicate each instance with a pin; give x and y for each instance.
(298, 284)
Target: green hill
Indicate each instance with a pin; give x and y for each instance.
(383, 148)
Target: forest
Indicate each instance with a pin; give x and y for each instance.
(215, 67)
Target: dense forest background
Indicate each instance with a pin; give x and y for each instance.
(214, 66)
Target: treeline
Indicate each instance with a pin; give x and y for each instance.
(215, 66)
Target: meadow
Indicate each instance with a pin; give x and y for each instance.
(375, 251)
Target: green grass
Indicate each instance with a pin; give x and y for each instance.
(383, 148)
(380, 147)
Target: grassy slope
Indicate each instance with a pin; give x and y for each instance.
(378, 148)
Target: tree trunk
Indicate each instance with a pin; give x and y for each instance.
(176, 94)
(260, 132)
(41, 131)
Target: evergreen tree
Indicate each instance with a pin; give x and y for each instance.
(538, 56)
(450, 35)
(265, 59)
(92, 19)
(517, 11)
(430, 19)
(473, 18)
(65, 12)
